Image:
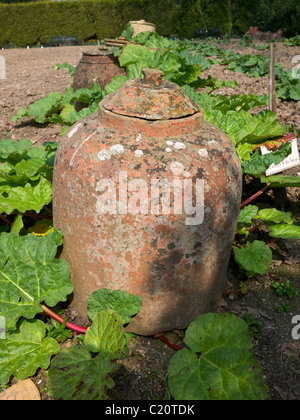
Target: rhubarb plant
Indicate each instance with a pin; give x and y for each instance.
(256, 256)
(219, 363)
(25, 175)
(31, 275)
(77, 374)
(25, 350)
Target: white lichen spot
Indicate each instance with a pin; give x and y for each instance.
(117, 149)
(73, 131)
(203, 152)
(138, 153)
(177, 168)
(169, 143)
(139, 138)
(213, 143)
(179, 145)
(104, 154)
(168, 150)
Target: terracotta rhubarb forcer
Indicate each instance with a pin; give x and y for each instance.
(147, 195)
(139, 26)
(96, 66)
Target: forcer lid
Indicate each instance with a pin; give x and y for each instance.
(151, 98)
(141, 22)
(101, 50)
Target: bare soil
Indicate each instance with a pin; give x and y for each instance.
(30, 76)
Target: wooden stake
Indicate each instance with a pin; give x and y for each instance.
(272, 85)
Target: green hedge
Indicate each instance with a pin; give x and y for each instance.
(24, 24)
(278, 14)
(203, 14)
(243, 14)
(268, 15)
(31, 23)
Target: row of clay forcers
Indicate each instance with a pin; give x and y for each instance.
(98, 65)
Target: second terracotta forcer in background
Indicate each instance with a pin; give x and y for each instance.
(97, 65)
(147, 195)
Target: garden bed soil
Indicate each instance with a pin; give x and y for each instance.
(30, 76)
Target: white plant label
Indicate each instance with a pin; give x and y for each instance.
(290, 162)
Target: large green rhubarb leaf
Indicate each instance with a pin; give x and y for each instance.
(32, 196)
(30, 275)
(75, 375)
(120, 301)
(285, 231)
(254, 258)
(106, 335)
(219, 365)
(258, 164)
(13, 152)
(278, 181)
(272, 216)
(22, 352)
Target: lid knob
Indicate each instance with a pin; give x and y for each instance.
(153, 76)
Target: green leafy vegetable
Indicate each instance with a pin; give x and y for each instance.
(285, 231)
(57, 108)
(277, 181)
(284, 289)
(219, 364)
(17, 224)
(59, 331)
(115, 83)
(258, 164)
(66, 65)
(42, 108)
(22, 352)
(247, 214)
(231, 115)
(34, 195)
(127, 32)
(76, 375)
(13, 152)
(106, 335)
(254, 259)
(271, 216)
(125, 304)
(30, 275)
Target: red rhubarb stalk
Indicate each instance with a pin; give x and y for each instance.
(82, 330)
(244, 203)
(77, 328)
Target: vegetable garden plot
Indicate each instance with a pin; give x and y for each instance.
(26, 168)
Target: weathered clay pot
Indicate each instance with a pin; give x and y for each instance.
(123, 232)
(96, 66)
(141, 26)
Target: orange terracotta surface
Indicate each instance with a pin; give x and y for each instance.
(178, 270)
